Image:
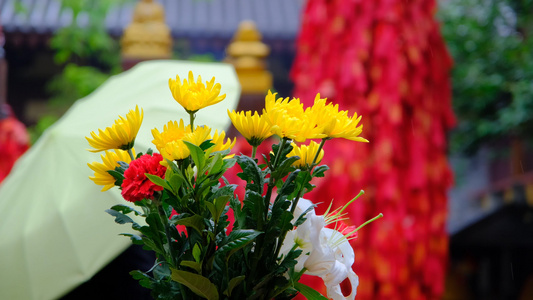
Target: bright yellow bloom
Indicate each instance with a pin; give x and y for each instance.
(169, 142)
(120, 135)
(337, 124)
(172, 131)
(109, 162)
(200, 135)
(289, 120)
(307, 154)
(195, 95)
(317, 112)
(220, 145)
(174, 150)
(255, 129)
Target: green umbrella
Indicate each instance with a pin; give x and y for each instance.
(54, 233)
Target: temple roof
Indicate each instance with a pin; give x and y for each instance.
(275, 19)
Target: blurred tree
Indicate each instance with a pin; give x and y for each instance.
(87, 51)
(493, 72)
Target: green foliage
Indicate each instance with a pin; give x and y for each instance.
(87, 52)
(73, 83)
(200, 285)
(308, 292)
(205, 261)
(493, 70)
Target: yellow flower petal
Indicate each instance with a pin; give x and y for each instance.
(200, 135)
(120, 135)
(307, 154)
(254, 128)
(220, 145)
(289, 120)
(172, 131)
(109, 162)
(195, 95)
(337, 124)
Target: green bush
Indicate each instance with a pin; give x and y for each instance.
(493, 69)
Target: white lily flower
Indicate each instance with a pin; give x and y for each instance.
(326, 252)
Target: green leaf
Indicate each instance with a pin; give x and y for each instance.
(119, 177)
(197, 253)
(219, 205)
(302, 217)
(289, 185)
(211, 207)
(172, 166)
(200, 285)
(319, 171)
(196, 222)
(251, 173)
(215, 164)
(285, 167)
(161, 270)
(240, 216)
(235, 281)
(121, 218)
(193, 265)
(144, 280)
(175, 182)
(309, 292)
(125, 209)
(254, 206)
(135, 239)
(206, 145)
(158, 181)
(238, 239)
(289, 261)
(197, 154)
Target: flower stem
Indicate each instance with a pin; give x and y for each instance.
(272, 182)
(254, 151)
(300, 194)
(131, 154)
(164, 220)
(318, 152)
(281, 146)
(191, 118)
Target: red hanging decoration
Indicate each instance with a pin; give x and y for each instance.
(386, 60)
(14, 140)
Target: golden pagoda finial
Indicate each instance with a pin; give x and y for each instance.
(147, 36)
(247, 54)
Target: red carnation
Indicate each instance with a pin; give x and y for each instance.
(136, 186)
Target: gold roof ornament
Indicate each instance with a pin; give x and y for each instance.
(147, 36)
(247, 54)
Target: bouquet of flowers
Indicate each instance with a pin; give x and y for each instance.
(209, 243)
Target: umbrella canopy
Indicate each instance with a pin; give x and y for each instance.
(54, 233)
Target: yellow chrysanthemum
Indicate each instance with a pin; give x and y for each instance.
(254, 128)
(317, 112)
(307, 154)
(172, 131)
(195, 95)
(220, 145)
(288, 119)
(200, 135)
(174, 150)
(109, 162)
(337, 124)
(120, 135)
